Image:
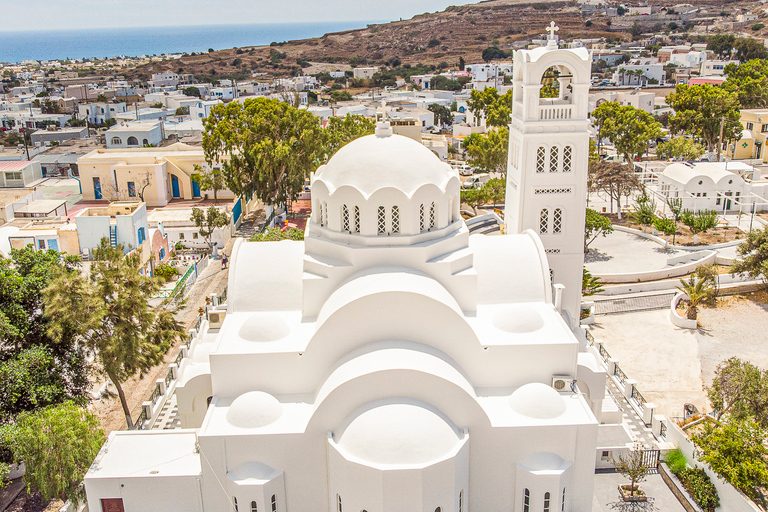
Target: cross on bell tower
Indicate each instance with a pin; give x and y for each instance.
(548, 156)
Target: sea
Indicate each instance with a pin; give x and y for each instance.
(110, 42)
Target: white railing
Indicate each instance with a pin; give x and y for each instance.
(555, 112)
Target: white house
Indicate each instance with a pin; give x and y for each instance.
(636, 98)
(179, 228)
(715, 67)
(98, 113)
(390, 361)
(703, 186)
(135, 135)
(365, 73)
(202, 108)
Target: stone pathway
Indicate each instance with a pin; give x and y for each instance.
(631, 418)
(635, 303)
(169, 415)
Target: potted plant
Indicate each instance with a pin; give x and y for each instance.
(632, 466)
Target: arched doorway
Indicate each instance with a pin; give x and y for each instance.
(175, 186)
(195, 189)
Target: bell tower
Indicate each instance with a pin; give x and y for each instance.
(548, 157)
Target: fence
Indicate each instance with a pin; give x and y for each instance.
(637, 396)
(619, 373)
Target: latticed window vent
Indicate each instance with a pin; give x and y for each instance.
(541, 191)
(553, 155)
(395, 219)
(382, 220)
(567, 158)
(345, 218)
(540, 158)
(557, 221)
(432, 216)
(543, 221)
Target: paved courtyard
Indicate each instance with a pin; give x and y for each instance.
(606, 496)
(622, 252)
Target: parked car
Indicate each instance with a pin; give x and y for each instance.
(466, 170)
(476, 181)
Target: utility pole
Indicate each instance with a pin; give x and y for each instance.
(720, 138)
(24, 136)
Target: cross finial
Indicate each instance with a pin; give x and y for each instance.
(552, 28)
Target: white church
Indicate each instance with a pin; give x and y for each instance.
(391, 362)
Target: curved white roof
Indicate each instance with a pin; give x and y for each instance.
(682, 173)
(746, 135)
(399, 434)
(384, 160)
(518, 319)
(537, 400)
(264, 327)
(252, 473)
(545, 461)
(254, 409)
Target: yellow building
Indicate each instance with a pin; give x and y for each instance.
(55, 233)
(154, 175)
(752, 143)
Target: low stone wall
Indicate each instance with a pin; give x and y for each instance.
(661, 241)
(664, 273)
(678, 320)
(676, 486)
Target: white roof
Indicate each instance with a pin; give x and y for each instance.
(682, 173)
(537, 400)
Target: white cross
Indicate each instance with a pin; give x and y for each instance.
(552, 29)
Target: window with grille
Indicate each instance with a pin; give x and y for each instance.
(345, 218)
(553, 155)
(274, 498)
(382, 220)
(357, 219)
(540, 156)
(526, 501)
(433, 215)
(234, 500)
(543, 221)
(338, 501)
(254, 507)
(557, 221)
(546, 502)
(395, 219)
(461, 500)
(567, 157)
(422, 219)
(324, 212)
(562, 504)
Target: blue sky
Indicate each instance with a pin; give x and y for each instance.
(72, 14)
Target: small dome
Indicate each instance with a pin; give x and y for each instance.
(253, 410)
(262, 327)
(384, 160)
(399, 434)
(545, 461)
(538, 401)
(252, 473)
(518, 318)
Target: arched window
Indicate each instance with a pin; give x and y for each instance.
(450, 209)
(562, 505)
(541, 155)
(254, 507)
(133, 141)
(274, 503)
(546, 502)
(116, 141)
(433, 215)
(338, 503)
(395, 219)
(553, 155)
(543, 221)
(438, 509)
(567, 156)
(526, 501)
(357, 219)
(557, 221)
(382, 220)
(461, 500)
(344, 218)
(422, 219)
(234, 500)
(145, 142)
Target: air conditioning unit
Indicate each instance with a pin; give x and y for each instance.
(562, 382)
(216, 318)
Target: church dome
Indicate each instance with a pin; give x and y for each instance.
(384, 160)
(254, 409)
(518, 319)
(399, 434)
(264, 327)
(536, 400)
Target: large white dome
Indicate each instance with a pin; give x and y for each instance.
(537, 400)
(399, 434)
(254, 409)
(384, 160)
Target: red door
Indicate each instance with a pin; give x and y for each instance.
(112, 505)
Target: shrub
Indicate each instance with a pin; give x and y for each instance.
(700, 487)
(676, 461)
(166, 272)
(276, 234)
(758, 26)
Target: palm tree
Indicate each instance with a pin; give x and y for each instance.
(698, 291)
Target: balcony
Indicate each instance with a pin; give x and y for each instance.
(555, 112)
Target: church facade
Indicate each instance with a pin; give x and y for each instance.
(391, 361)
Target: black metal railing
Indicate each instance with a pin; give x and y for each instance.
(155, 394)
(179, 357)
(223, 296)
(619, 373)
(197, 324)
(590, 338)
(168, 379)
(139, 423)
(637, 396)
(662, 429)
(604, 352)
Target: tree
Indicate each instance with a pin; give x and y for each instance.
(740, 390)
(340, 132)
(748, 49)
(629, 129)
(666, 226)
(752, 255)
(277, 234)
(101, 98)
(182, 111)
(750, 82)
(495, 190)
(736, 452)
(57, 445)
(208, 221)
(709, 273)
(488, 151)
(721, 44)
(108, 313)
(442, 83)
(595, 225)
(645, 209)
(699, 222)
(191, 91)
(462, 63)
(210, 178)
(265, 147)
(697, 290)
(679, 147)
(493, 53)
(614, 179)
(443, 116)
(632, 466)
(636, 30)
(676, 208)
(473, 197)
(699, 110)
(488, 105)
(590, 284)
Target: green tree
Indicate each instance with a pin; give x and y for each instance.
(645, 209)
(340, 132)
(748, 49)
(108, 313)
(615, 180)
(698, 291)
(636, 30)
(721, 44)
(265, 147)
(699, 222)
(443, 115)
(495, 190)
(740, 391)
(462, 63)
(752, 255)
(632, 466)
(57, 445)
(488, 105)
(595, 225)
(208, 221)
(736, 452)
(209, 178)
(166, 272)
(699, 111)
(679, 147)
(442, 83)
(666, 226)
(191, 91)
(488, 151)
(277, 234)
(474, 198)
(749, 81)
(182, 111)
(590, 285)
(676, 209)
(629, 129)
(101, 98)
(493, 53)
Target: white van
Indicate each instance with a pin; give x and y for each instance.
(476, 181)
(463, 167)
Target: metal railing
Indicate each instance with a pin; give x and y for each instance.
(223, 296)
(604, 352)
(197, 325)
(155, 394)
(179, 357)
(637, 396)
(590, 338)
(179, 287)
(662, 429)
(139, 423)
(168, 379)
(619, 373)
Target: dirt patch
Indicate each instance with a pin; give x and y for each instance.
(684, 235)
